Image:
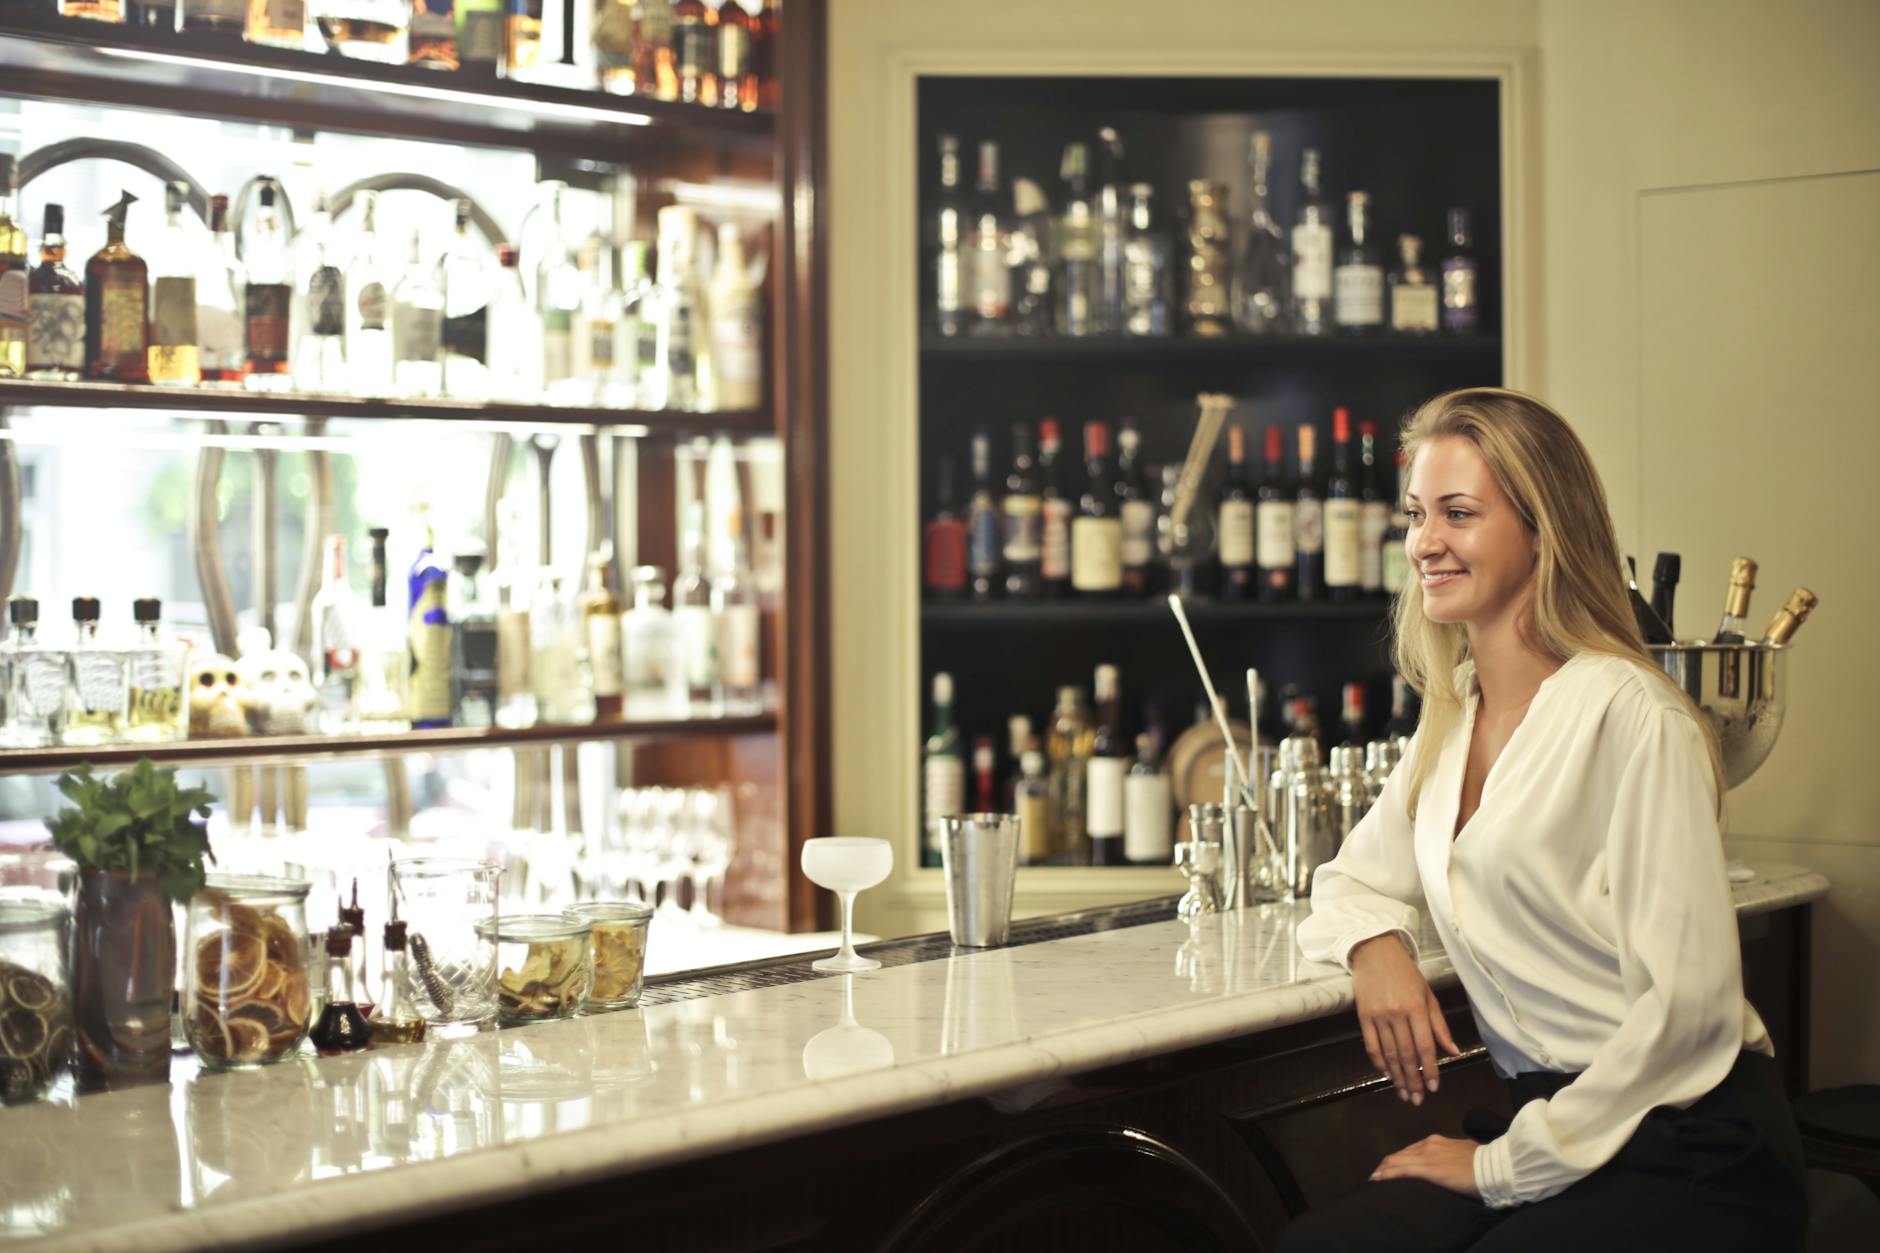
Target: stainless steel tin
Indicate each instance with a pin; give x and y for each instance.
(979, 855)
(1742, 689)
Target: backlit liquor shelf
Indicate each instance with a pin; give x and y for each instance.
(1120, 350)
(661, 423)
(1009, 615)
(304, 748)
(56, 58)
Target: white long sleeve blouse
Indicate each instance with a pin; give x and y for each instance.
(1585, 907)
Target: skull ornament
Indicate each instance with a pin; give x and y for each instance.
(217, 707)
(280, 695)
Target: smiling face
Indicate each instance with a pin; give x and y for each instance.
(1474, 555)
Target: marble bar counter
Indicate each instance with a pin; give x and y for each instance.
(893, 1109)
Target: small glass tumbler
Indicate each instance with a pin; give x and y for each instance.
(546, 966)
(618, 942)
(449, 906)
(247, 998)
(35, 998)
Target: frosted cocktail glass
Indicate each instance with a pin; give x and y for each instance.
(846, 865)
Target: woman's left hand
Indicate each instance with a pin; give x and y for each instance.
(1444, 1161)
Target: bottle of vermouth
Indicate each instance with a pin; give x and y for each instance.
(117, 306)
(943, 770)
(1736, 602)
(1789, 618)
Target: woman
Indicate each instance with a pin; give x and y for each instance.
(1557, 816)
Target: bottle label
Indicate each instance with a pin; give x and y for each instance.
(512, 654)
(267, 307)
(417, 333)
(982, 539)
(946, 555)
(737, 645)
(1341, 543)
(1275, 521)
(1148, 826)
(601, 345)
(1413, 309)
(604, 659)
(698, 645)
(374, 305)
(1097, 554)
(1057, 539)
(13, 302)
(430, 660)
(1024, 529)
(480, 36)
(736, 336)
(1103, 806)
(220, 330)
(992, 281)
(734, 53)
(1373, 522)
(55, 336)
(1459, 287)
(1236, 538)
(468, 335)
(121, 329)
(1360, 297)
(945, 777)
(326, 301)
(173, 313)
(947, 281)
(1312, 262)
(1138, 533)
(1309, 526)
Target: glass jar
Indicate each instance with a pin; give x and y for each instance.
(546, 966)
(618, 945)
(449, 907)
(35, 998)
(247, 998)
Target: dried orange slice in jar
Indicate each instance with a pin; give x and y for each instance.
(294, 1000)
(207, 1034)
(284, 947)
(229, 965)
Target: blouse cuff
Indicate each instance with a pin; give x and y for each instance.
(1494, 1174)
(1356, 938)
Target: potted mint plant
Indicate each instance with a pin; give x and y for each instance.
(139, 841)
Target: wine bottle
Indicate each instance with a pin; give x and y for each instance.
(1650, 626)
(1665, 587)
(1789, 618)
(1104, 774)
(1022, 509)
(1273, 524)
(982, 524)
(1342, 575)
(1056, 509)
(1236, 526)
(1097, 531)
(985, 783)
(943, 770)
(1308, 523)
(944, 543)
(1736, 602)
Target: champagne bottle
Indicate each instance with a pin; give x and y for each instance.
(1736, 603)
(1650, 625)
(1790, 617)
(1665, 587)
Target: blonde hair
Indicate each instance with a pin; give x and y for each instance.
(1579, 602)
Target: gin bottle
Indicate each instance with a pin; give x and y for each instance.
(35, 680)
(417, 329)
(156, 679)
(648, 638)
(515, 334)
(1312, 252)
(320, 348)
(97, 682)
(464, 280)
(558, 296)
(369, 308)
(1260, 280)
(694, 620)
(564, 690)
(1145, 268)
(734, 604)
(1358, 281)
(219, 303)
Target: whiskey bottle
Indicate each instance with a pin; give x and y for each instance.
(1260, 278)
(35, 681)
(1342, 510)
(1138, 512)
(695, 51)
(1104, 774)
(943, 771)
(1414, 304)
(1358, 280)
(427, 633)
(1236, 526)
(156, 712)
(1789, 618)
(97, 682)
(223, 355)
(735, 606)
(1097, 531)
(480, 39)
(55, 332)
(395, 1019)
(267, 297)
(278, 23)
(14, 281)
(1736, 602)
(464, 279)
(175, 353)
(364, 30)
(1460, 311)
(117, 306)
(320, 348)
(1308, 523)
(1373, 514)
(417, 328)
(600, 631)
(1312, 252)
(738, 87)
(1275, 547)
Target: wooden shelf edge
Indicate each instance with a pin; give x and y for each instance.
(1075, 613)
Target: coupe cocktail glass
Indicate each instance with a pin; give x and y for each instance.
(847, 865)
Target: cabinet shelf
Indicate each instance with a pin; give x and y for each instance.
(208, 401)
(290, 748)
(1234, 349)
(1039, 615)
(52, 57)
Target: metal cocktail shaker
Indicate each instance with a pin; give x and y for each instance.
(1309, 831)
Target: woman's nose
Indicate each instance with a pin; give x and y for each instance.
(1426, 542)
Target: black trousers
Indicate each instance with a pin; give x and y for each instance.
(1724, 1175)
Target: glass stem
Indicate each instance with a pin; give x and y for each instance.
(848, 924)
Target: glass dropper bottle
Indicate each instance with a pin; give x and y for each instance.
(396, 1020)
(341, 1028)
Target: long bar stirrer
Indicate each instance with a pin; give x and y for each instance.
(1215, 703)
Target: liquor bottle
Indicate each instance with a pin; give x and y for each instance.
(514, 578)
(267, 297)
(943, 771)
(1138, 512)
(515, 333)
(380, 695)
(982, 524)
(1351, 714)
(464, 280)
(1209, 298)
(1104, 774)
(174, 355)
(737, 327)
(735, 606)
(1260, 299)
(1097, 531)
(1665, 573)
(427, 632)
(522, 37)
(117, 306)
(1055, 558)
(220, 18)
(949, 242)
(738, 86)
(1358, 280)
(988, 269)
(417, 328)
(353, 918)
(480, 38)
(648, 636)
(985, 771)
(1236, 525)
(1414, 301)
(1113, 212)
(96, 10)
(1308, 522)
(944, 545)
(1373, 514)
(35, 681)
(1276, 549)
(675, 355)
(396, 1018)
(15, 283)
(636, 333)
(337, 630)
(1017, 744)
(55, 333)
(152, 14)
(342, 1027)
(1312, 252)
(695, 51)
(433, 35)
(1067, 747)
(600, 629)
(1343, 576)
(657, 75)
(695, 622)
(475, 678)
(219, 330)
(1148, 810)
(154, 709)
(1651, 627)
(366, 30)
(1031, 799)
(278, 23)
(558, 663)
(617, 41)
(1736, 602)
(1075, 239)
(1022, 510)
(1146, 272)
(768, 46)
(369, 311)
(1789, 618)
(97, 682)
(320, 346)
(1460, 310)
(1393, 556)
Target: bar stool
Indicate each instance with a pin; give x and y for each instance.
(1841, 1131)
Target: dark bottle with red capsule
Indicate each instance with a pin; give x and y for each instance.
(342, 1027)
(1055, 511)
(1097, 531)
(985, 775)
(1236, 527)
(1274, 549)
(944, 545)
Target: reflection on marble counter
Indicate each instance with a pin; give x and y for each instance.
(214, 1160)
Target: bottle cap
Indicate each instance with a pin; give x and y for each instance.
(55, 219)
(395, 935)
(23, 611)
(1275, 446)
(379, 534)
(1667, 568)
(147, 609)
(1047, 430)
(85, 609)
(266, 194)
(507, 255)
(339, 942)
(9, 175)
(943, 688)
(1341, 425)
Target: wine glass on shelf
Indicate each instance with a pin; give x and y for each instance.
(709, 845)
(847, 865)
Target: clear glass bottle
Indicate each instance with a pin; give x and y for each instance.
(558, 298)
(35, 681)
(948, 241)
(278, 23)
(117, 305)
(1208, 297)
(636, 336)
(156, 713)
(1067, 748)
(1075, 238)
(338, 629)
(1414, 301)
(648, 636)
(1358, 279)
(1146, 272)
(1461, 312)
(515, 333)
(943, 771)
(695, 51)
(55, 333)
(396, 1018)
(365, 30)
(694, 619)
(15, 320)
(368, 308)
(1260, 280)
(320, 315)
(219, 303)
(379, 697)
(427, 632)
(1032, 799)
(1112, 210)
(1311, 252)
(600, 630)
(463, 277)
(558, 669)
(513, 578)
(737, 327)
(600, 306)
(988, 270)
(735, 605)
(97, 682)
(473, 647)
(267, 296)
(342, 1026)
(675, 383)
(433, 41)
(417, 328)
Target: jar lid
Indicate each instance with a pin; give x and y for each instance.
(612, 911)
(26, 914)
(533, 928)
(241, 887)
(442, 867)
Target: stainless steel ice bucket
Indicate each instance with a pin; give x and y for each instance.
(1742, 687)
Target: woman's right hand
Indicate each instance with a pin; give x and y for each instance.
(1402, 1022)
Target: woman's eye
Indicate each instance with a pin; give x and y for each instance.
(1457, 515)
(1415, 515)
